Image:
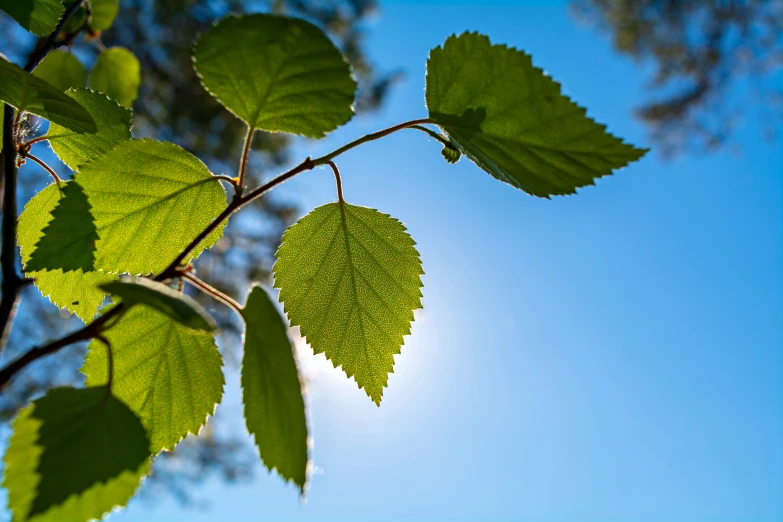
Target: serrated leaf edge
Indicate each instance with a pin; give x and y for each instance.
(440, 48)
(249, 15)
(303, 334)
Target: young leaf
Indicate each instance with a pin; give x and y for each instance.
(76, 291)
(117, 74)
(166, 300)
(350, 278)
(28, 93)
(149, 200)
(272, 392)
(114, 126)
(511, 119)
(276, 74)
(40, 17)
(103, 13)
(450, 154)
(68, 241)
(74, 455)
(63, 70)
(168, 374)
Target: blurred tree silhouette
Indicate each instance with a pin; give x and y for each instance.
(700, 49)
(172, 106)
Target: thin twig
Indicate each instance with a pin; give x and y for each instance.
(171, 270)
(87, 332)
(46, 167)
(370, 137)
(212, 291)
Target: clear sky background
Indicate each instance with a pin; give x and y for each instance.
(610, 356)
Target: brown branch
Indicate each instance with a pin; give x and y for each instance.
(89, 331)
(11, 280)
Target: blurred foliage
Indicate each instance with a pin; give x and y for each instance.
(711, 60)
(173, 106)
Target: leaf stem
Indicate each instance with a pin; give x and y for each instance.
(212, 291)
(46, 167)
(337, 180)
(442, 139)
(229, 179)
(243, 161)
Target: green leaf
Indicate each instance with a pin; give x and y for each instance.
(68, 241)
(28, 93)
(350, 279)
(168, 374)
(114, 126)
(169, 302)
(117, 74)
(150, 199)
(40, 17)
(63, 70)
(276, 74)
(511, 119)
(450, 154)
(77, 291)
(272, 392)
(76, 22)
(74, 455)
(103, 13)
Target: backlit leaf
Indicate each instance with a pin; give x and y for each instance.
(149, 200)
(114, 126)
(68, 241)
(168, 374)
(75, 291)
(28, 93)
(40, 17)
(350, 278)
(166, 300)
(103, 13)
(277, 74)
(63, 70)
(117, 73)
(511, 119)
(271, 391)
(73, 456)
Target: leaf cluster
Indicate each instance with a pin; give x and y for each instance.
(115, 243)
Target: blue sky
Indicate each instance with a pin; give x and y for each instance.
(613, 356)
